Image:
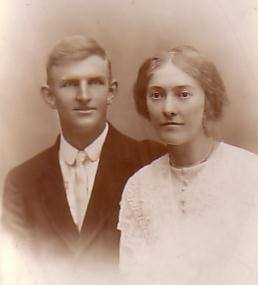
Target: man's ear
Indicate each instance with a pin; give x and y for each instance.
(113, 88)
(48, 96)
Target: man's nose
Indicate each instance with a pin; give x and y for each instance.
(170, 106)
(83, 93)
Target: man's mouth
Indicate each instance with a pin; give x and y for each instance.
(83, 109)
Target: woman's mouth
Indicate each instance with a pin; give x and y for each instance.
(172, 124)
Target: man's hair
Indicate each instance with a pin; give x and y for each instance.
(74, 48)
(189, 60)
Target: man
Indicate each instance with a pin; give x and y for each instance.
(64, 202)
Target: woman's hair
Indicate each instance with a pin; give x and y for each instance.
(194, 64)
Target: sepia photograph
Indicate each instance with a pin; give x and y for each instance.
(129, 142)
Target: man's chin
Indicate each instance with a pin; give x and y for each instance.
(88, 126)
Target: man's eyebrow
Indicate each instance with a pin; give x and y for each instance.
(97, 77)
(69, 78)
(78, 78)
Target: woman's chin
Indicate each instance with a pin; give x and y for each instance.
(172, 141)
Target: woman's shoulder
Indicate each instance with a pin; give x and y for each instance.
(236, 162)
(152, 170)
(237, 154)
(146, 178)
(140, 193)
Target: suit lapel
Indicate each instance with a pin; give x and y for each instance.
(54, 200)
(104, 198)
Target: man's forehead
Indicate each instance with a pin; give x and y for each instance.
(93, 65)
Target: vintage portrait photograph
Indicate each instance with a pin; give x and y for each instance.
(129, 142)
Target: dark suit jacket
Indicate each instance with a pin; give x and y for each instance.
(35, 208)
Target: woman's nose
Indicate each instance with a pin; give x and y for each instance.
(170, 106)
(83, 92)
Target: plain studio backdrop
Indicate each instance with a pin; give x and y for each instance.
(130, 30)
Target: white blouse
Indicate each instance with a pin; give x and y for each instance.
(193, 225)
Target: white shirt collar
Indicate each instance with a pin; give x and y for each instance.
(68, 153)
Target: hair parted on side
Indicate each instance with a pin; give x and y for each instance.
(73, 48)
(192, 62)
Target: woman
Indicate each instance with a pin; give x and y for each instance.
(191, 215)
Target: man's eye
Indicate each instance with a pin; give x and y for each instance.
(184, 94)
(70, 83)
(96, 81)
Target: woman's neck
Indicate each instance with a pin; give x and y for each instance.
(191, 153)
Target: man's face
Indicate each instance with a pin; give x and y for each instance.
(80, 92)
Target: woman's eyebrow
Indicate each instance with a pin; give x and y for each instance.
(155, 87)
(183, 86)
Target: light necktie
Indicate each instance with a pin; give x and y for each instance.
(81, 187)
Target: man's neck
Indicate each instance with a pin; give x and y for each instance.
(80, 140)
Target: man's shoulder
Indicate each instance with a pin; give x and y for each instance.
(116, 136)
(32, 167)
(152, 148)
(145, 150)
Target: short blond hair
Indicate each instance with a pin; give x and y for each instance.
(74, 48)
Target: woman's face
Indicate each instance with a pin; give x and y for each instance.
(175, 102)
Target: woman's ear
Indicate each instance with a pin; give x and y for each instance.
(113, 88)
(48, 96)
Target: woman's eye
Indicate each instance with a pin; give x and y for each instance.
(184, 94)
(156, 95)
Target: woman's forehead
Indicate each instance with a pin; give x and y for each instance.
(169, 74)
